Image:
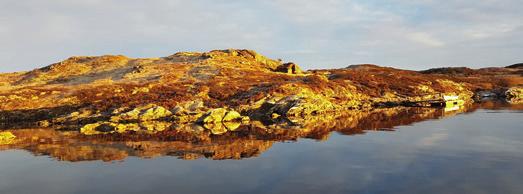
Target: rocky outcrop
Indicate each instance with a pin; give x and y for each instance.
(188, 86)
(143, 113)
(290, 68)
(220, 115)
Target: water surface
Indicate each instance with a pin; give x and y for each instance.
(475, 151)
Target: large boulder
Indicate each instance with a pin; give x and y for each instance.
(290, 68)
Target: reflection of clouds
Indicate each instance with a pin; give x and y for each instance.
(496, 144)
(434, 139)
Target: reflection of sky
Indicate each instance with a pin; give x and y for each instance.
(479, 152)
(316, 34)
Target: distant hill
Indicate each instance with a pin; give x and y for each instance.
(516, 66)
(449, 70)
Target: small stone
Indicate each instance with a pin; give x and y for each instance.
(232, 116)
(44, 123)
(90, 129)
(6, 137)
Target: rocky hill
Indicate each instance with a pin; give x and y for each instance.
(107, 94)
(516, 66)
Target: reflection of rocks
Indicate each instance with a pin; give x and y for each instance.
(109, 127)
(67, 146)
(184, 86)
(221, 120)
(515, 95)
(221, 128)
(215, 128)
(153, 139)
(220, 115)
(6, 138)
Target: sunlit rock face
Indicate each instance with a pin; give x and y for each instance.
(184, 86)
(221, 104)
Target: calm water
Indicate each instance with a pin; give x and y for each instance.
(474, 152)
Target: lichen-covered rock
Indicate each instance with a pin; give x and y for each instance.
(155, 126)
(108, 127)
(232, 116)
(91, 129)
(221, 120)
(155, 113)
(130, 115)
(188, 107)
(75, 116)
(299, 105)
(6, 137)
(144, 113)
(215, 128)
(214, 116)
(290, 68)
(231, 126)
(515, 95)
(221, 115)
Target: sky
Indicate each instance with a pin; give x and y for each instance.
(316, 34)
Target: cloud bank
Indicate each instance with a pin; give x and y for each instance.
(316, 34)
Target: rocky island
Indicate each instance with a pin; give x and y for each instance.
(231, 103)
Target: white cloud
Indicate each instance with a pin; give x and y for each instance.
(425, 39)
(317, 34)
(434, 139)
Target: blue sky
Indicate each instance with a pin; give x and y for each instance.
(315, 34)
